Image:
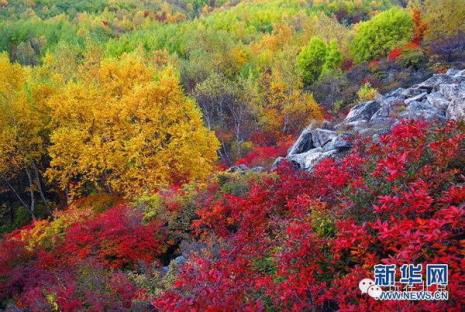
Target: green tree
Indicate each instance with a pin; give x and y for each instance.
(333, 57)
(311, 60)
(376, 37)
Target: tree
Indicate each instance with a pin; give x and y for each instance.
(333, 57)
(378, 36)
(226, 108)
(311, 60)
(285, 108)
(23, 132)
(126, 132)
(419, 27)
(318, 58)
(444, 18)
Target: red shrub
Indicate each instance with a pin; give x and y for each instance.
(116, 238)
(404, 49)
(13, 257)
(262, 155)
(85, 286)
(394, 54)
(304, 241)
(84, 272)
(266, 150)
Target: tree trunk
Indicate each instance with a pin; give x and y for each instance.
(39, 187)
(31, 193)
(67, 195)
(224, 155)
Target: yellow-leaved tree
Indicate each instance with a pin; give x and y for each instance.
(23, 132)
(286, 108)
(127, 130)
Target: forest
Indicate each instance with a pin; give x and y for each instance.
(138, 147)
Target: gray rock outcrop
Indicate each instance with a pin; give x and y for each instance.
(439, 98)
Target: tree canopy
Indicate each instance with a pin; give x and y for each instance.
(130, 129)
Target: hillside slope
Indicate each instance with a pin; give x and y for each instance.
(232, 155)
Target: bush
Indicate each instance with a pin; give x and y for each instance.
(302, 242)
(311, 60)
(318, 58)
(97, 202)
(174, 208)
(150, 205)
(123, 241)
(78, 261)
(414, 58)
(236, 183)
(46, 235)
(378, 36)
(409, 55)
(394, 54)
(367, 93)
(333, 58)
(264, 155)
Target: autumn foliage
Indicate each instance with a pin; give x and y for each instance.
(123, 131)
(287, 241)
(299, 241)
(122, 242)
(84, 266)
(119, 120)
(419, 26)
